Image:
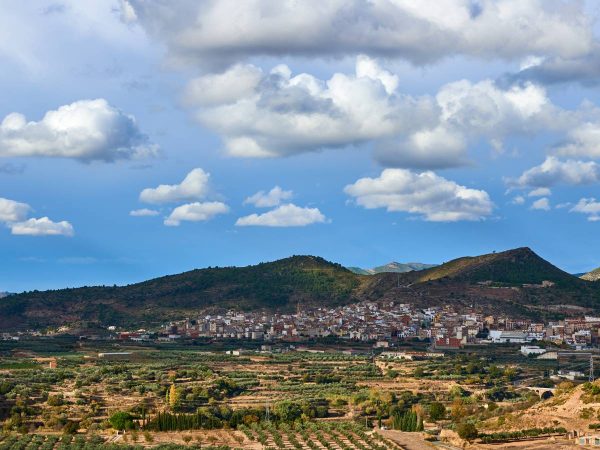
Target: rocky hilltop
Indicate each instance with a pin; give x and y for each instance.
(594, 275)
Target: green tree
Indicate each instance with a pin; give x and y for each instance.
(437, 411)
(288, 411)
(122, 420)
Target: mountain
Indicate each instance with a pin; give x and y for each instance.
(518, 266)
(516, 282)
(393, 267)
(594, 275)
(4, 294)
(358, 270)
(281, 285)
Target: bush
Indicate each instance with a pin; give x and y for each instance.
(467, 431)
(437, 411)
(71, 427)
(55, 400)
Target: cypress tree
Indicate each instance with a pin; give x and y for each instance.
(413, 422)
(404, 426)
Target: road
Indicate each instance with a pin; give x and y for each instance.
(414, 441)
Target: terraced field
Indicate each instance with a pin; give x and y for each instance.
(319, 435)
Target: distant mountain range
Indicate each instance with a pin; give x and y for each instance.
(594, 275)
(393, 267)
(516, 282)
(4, 294)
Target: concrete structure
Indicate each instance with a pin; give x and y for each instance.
(544, 393)
(411, 355)
(115, 356)
(512, 337)
(527, 350)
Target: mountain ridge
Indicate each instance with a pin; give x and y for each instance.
(516, 282)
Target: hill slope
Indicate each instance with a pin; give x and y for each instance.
(281, 285)
(518, 266)
(570, 408)
(593, 275)
(499, 283)
(496, 283)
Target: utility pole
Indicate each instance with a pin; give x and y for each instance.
(267, 413)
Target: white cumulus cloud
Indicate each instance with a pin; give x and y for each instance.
(194, 186)
(425, 194)
(584, 142)
(518, 200)
(12, 211)
(14, 215)
(589, 206)
(195, 212)
(285, 114)
(509, 29)
(540, 192)
(542, 204)
(554, 171)
(287, 215)
(42, 227)
(278, 114)
(227, 87)
(143, 212)
(85, 130)
(269, 199)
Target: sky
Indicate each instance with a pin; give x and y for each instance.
(140, 138)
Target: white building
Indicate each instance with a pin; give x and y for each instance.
(513, 337)
(527, 350)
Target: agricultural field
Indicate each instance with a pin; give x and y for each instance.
(174, 396)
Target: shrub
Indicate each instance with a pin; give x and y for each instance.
(437, 411)
(467, 431)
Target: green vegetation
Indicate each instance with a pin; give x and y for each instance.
(223, 416)
(513, 267)
(294, 400)
(409, 421)
(94, 442)
(467, 431)
(122, 420)
(280, 284)
(505, 436)
(307, 280)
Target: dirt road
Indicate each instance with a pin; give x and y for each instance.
(408, 441)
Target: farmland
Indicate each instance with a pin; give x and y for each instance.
(63, 394)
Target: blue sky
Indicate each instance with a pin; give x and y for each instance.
(360, 131)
